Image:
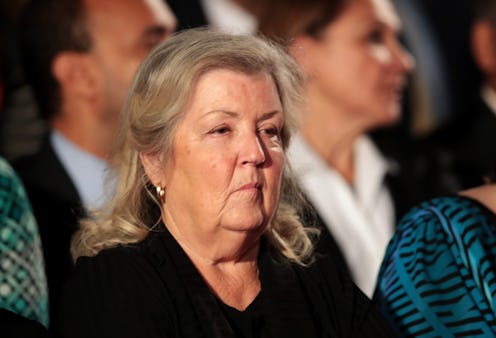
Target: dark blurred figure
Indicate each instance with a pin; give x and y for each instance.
(189, 13)
(80, 57)
(3, 52)
(472, 136)
(20, 125)
(445, 72)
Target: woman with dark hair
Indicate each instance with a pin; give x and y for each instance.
(355, 71)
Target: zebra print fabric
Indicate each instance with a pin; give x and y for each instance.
(438, 275)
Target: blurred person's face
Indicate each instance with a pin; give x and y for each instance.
(358, 63)
(123, 32)
(483, 44)
(225, 170)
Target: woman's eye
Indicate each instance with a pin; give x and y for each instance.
(375, 36)
(220, 130)
(270, 131)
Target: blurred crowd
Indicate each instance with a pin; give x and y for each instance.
(400, 107)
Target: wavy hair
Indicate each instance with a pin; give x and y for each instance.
(156, 103)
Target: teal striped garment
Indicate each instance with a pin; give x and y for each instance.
(23, 288)
(438, 275)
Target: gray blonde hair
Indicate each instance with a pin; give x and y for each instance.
(159, 94)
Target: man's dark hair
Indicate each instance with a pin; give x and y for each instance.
(48, 27)
(484, 10)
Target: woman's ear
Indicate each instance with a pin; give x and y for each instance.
(153, 168)
(484, 46)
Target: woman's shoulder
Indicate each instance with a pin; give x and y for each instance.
(439, 225)
(119, 290)
(435, 258)
(485, 194)
(111, 260)
(455, 209)
(111, 266)
(102, 274)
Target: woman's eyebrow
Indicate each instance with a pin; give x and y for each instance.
(270, 114)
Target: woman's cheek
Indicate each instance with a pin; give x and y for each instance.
(380, 53)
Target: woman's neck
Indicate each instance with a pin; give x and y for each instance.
(228, 264)
(236, 284)
(234, 281)
(331, 131)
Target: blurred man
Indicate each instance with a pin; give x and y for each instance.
(469, 139)
(476, 135)
(80, 56)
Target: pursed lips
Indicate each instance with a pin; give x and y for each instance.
(394, 89)
(250, 186)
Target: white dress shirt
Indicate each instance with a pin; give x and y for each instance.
(359, 217)
(229, 16)
(489, 96)
(86, 171)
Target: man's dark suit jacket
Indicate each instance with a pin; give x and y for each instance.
(475, 144)
(189, 13)
(57, 208)
(469, 141)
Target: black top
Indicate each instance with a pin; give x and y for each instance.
(13, 325)
(474, 154)
(247, 323)
(469, 141)
(152, 289)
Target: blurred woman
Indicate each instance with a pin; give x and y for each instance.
(201, 238)
(355, 72)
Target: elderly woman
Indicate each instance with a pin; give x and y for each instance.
(355, 70)
(200, 239)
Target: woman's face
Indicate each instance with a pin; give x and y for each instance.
(358, 64)
(227, 157)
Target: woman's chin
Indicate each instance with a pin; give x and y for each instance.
(390, 115)
(249, 222)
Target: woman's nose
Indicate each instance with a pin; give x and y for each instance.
(403, 59)
(252, 151)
